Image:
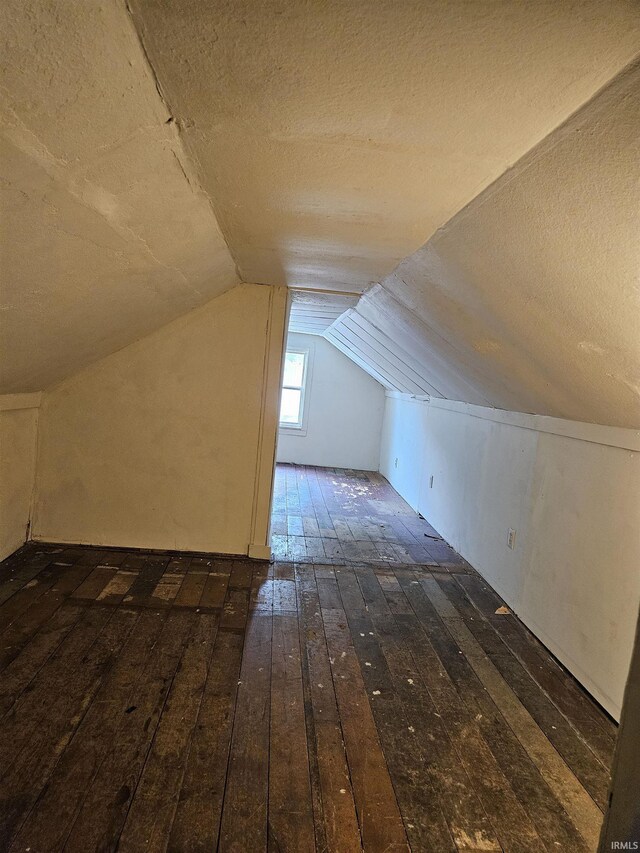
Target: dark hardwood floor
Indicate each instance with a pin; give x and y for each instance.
(369, 699)
(334, 516)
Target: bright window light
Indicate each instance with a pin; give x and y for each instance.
(293, 386)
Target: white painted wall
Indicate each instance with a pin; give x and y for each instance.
(572, 493)
(344, 410)
(18, 436)
(170, 442)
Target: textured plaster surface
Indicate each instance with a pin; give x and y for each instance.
(106, 234)
(531, 294)
(17, 471)
(334, 138)
(158, 445)
(330, 140)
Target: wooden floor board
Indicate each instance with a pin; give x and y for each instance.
(334, 804)
(51, 819)
(360, 693)
(109, 797)
(244, 815)
(150, 817)
(290, 805)
(34, 762)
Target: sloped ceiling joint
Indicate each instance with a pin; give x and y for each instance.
(188, 162)
(320, 178)
(434, 352)
(595, 107)
(324, 179)
(527, 300)
(106, 233)
(376, 327)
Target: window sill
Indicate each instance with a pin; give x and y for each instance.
(289, 429)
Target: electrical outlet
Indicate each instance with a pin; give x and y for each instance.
(511, 538)
(431, 481)
(395, 464)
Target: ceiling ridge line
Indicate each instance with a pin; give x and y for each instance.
(544, 146)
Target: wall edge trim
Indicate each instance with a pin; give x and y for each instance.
(16, 402)
(609, 436)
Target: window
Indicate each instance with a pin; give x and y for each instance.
(293, 386)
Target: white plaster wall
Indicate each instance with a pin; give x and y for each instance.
(160, 444)
(18, 435)
(345, 407)
(572, 493)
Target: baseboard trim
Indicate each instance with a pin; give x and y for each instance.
(259, 552)
(219, 555)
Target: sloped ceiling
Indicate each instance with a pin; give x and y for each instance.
(529, 299)
(335, 137)
(106, 234)
(345, 147)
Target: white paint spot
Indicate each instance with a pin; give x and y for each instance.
(409, 680)
(411, 729)
(367, 663)
(320, 686)
(361, 634)
(588, 346)
(376, 692)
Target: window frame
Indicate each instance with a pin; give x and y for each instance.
(299, 428)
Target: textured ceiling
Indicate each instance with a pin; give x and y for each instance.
(105, 232)
(342, 147)
(335, 137)
(529, 299)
